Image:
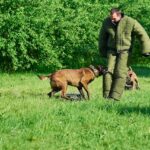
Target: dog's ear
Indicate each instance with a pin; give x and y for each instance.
(130, 69)
(92, 67)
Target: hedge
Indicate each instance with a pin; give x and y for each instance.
(54, 34)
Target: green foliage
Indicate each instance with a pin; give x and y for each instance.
(56, 34)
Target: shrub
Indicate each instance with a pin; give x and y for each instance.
(41, 35)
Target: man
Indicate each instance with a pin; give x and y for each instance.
(115, 41)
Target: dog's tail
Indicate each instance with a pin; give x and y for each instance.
(44, 77)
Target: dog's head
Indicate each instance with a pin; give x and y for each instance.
(131, 79)
(102, 70)
(99, 70)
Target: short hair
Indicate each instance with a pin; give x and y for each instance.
(115, 10)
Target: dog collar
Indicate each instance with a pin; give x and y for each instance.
(95, 71)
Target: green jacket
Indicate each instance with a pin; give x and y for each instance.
(120, 37)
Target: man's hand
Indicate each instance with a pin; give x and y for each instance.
(146, 54)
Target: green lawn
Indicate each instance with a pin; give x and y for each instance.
(30, 120)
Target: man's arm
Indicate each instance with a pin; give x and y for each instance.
(144, 38)
(103, 37)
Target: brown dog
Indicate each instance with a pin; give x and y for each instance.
(131, 80)
(79, 78)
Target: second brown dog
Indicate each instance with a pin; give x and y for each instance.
(131, 80)
(79, 78)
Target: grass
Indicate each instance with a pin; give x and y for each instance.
(30, 120)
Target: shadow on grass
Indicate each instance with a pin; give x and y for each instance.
(125, 110)
(134, 109)
(33, 94)
(71, 97)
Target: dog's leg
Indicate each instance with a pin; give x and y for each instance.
(137, 84)
(133, 85)
(81, 91)
(85, 86)
(63, 92)
(50, 94)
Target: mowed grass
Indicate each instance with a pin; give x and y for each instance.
(30, 120)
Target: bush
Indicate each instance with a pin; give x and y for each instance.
(41, 35)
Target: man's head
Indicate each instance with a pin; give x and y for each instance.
(115, 15)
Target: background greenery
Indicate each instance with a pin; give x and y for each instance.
(53, 34)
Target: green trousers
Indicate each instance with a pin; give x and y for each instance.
(114, 80)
